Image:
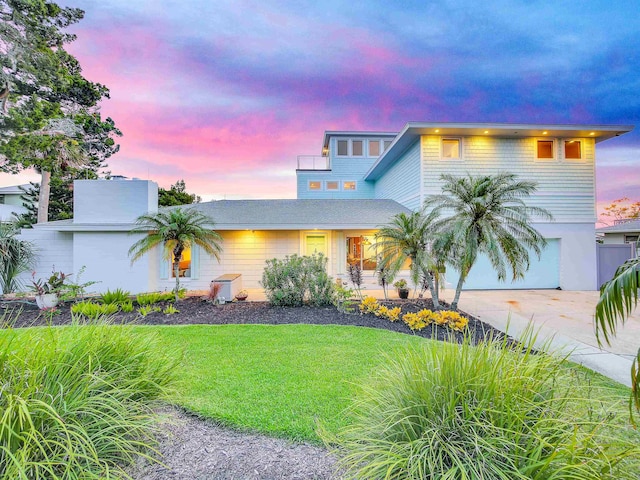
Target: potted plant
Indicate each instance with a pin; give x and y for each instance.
(402, 288)
(242, 295)
(46, 291)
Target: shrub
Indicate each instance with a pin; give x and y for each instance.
(454, 320)
(76, 402)
(214, 291)
(414, 321)
(147, 309)
(296, 279)
(118, 296)
(126, 307)
(393, 314)
(93, 310)
(342, 298)
(479, 412)
(153, 298)
(369, 305)
(170, 310)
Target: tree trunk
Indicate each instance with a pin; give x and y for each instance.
(43, 197)
(432, 290)
(177, 256)
(456, 297)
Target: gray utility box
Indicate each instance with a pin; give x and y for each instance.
(231, 285)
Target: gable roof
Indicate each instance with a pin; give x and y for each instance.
(632, 226)
(412, 132)
(299, 214)
(14, 189)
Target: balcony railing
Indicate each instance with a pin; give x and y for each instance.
(313, 162)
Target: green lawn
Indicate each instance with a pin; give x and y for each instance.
(284, 379)
(277, 379)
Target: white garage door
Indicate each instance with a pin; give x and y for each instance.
(543, 273)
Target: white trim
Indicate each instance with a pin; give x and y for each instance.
(563, 150)
(554, 149)
(460, 156)
(355, 183)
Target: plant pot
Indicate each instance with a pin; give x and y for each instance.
(48, 300)
(403, 293)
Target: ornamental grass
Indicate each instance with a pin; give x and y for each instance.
(76, 402)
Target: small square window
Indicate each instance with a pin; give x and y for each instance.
(348, 185)
(343, 147)
(387, 144)
(313, 185)
(573, 149)
(545, 149)
(450, 148)
(374, 148)
(332, 185)
(356, 148)
(630, 238)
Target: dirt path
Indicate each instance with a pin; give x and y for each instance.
(196, 449)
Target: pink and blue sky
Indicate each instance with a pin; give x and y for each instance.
(226, 94)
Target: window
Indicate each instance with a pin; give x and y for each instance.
(348, 185)
(630, 238)
(331, 185)
(315, 185)
(360, 252)
(1, 199)
(343, 147)
(573, 149)
(184, 268)
(374, 148)
(450, 148)
(387, 144)
(356, 148)
(545, 149)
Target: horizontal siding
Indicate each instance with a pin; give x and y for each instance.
(54, 252)
(565, 187)
(401, 182)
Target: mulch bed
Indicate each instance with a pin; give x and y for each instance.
(193, 310)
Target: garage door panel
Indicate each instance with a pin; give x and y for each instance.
(542, 273)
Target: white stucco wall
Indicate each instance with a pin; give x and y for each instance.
(105, 258)
(113, 201)
(7, 211)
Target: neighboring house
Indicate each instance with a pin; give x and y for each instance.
(358, 183)
(624, 231)
(11, 201)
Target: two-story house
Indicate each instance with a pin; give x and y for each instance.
(360, 180)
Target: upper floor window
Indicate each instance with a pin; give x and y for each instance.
(315, 185)
(356, 148)
(573, 149)
(544, 149)
(343, 147)
(348, 185)
(331, 185)
(451, 148)
(374, 148)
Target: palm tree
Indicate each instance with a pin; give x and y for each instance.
(16, 256)
(618, 298)
(176, 230)
(408, 237)
(488, 215)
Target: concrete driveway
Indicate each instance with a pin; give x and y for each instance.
(565, 316)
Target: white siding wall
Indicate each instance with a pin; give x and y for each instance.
(402, 181)
(54, 252)
(245, 252)
(105, 258)
(565, 187)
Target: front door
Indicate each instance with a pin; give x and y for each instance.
(316, 243)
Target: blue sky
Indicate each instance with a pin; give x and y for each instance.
(226, 94)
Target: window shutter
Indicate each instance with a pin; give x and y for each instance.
(164, 266)
(195, 262)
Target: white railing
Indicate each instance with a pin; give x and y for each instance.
(313, 162)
